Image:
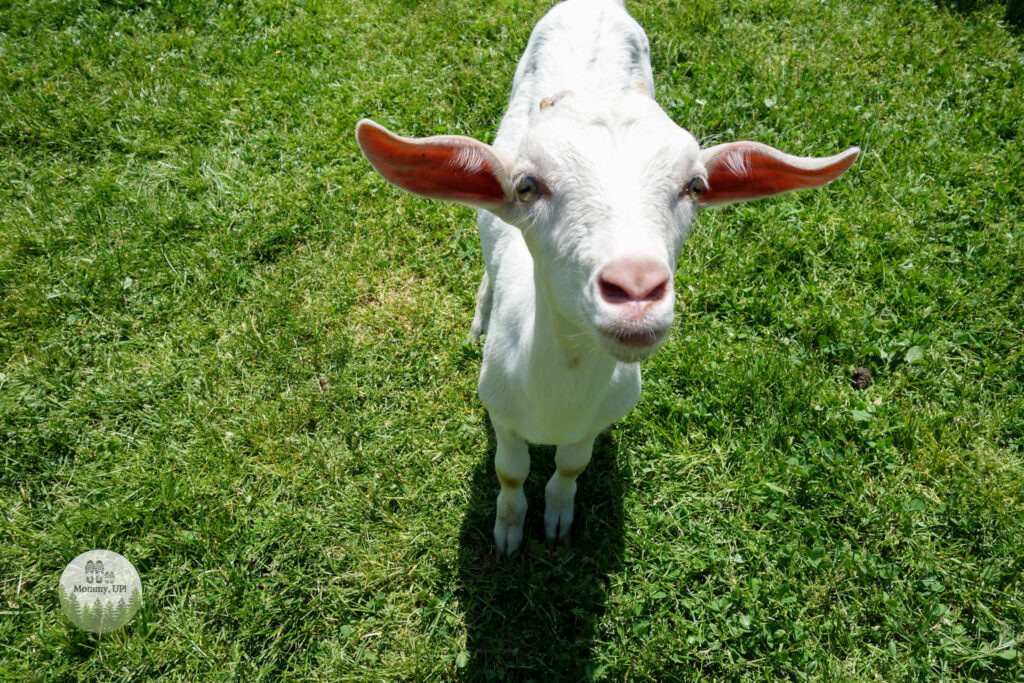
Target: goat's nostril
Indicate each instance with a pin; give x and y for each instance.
(613, 293)
(633, 281)
(657, 292)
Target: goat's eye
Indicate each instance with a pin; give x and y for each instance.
(695, 188)
(528, 189)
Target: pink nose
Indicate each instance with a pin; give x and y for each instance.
(629, 280)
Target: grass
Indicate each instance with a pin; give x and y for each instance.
(231, 353)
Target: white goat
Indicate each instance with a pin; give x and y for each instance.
(585, 199)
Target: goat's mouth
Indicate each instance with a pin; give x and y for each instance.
(638, 340)
(631, 345)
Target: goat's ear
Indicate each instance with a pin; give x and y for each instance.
(738, 171)
(450, 167)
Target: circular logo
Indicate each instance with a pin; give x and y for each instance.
(100, 591)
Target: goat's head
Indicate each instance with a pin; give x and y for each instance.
(604, 194)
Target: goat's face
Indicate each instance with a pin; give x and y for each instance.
(605, 195)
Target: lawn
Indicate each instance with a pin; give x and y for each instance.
(233, 354)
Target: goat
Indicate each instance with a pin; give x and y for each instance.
(585, 199)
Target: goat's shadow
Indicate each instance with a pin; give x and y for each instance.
(1014, 16)
(536, 616)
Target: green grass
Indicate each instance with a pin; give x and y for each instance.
(233, 354)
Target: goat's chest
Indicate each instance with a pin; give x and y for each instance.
(556, 402)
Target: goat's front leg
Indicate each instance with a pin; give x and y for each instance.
(512, 464)
(570, 461)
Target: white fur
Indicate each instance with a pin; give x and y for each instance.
(548, 375)
(578, 282)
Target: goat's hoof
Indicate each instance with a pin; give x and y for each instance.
(558, 524)
(507, 539)
(506, 558)
(554, 544)
(562, 541)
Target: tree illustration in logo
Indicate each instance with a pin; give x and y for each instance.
(134, 603)
(96, 616)
(69, 603)
(86, 616)
(119, 612)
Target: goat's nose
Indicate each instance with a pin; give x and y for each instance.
(629, 280)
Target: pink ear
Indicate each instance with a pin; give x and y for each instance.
(738, 171)
(450, 167)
